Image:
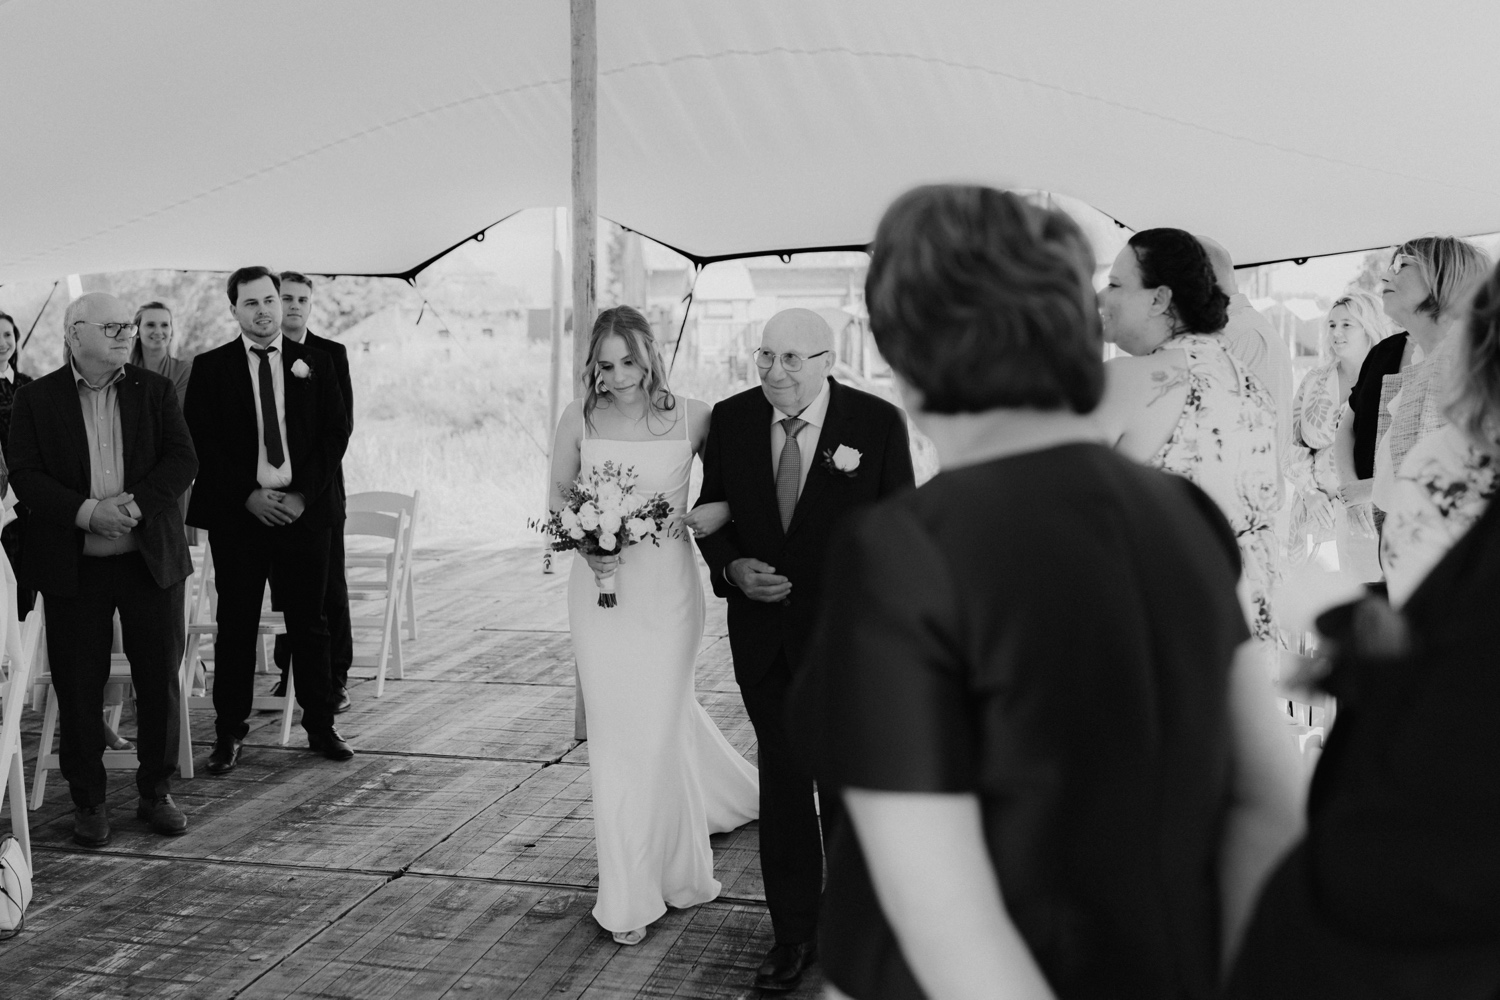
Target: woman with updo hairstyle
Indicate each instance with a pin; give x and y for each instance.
(1062, 778)
(1182, 402)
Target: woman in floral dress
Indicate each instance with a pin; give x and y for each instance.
(1354, 325)
(1449, 477)
(1182, 402)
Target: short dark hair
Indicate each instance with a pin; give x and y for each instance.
(245, 275)
(296, 276)
(1175, 258)
(982, 300)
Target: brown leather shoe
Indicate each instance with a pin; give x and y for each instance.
(91, 825)
(784, 965)
(162, 815)
(330, 744)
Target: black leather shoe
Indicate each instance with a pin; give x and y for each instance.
(341, 701)
(330, 744)
(91, 825)
(784, 965)
(226, 754)
(162, 815)
(278, 690)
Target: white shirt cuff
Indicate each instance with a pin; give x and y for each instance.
(85, 514)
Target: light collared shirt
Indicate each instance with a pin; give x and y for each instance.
(101, 425)
(1252, 339)
(6, 373)
(267, 474)
(807, 436)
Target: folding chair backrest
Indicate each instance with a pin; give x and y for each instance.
(385, 503)
(373, 523)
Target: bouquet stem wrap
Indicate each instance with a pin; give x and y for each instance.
(607, 597)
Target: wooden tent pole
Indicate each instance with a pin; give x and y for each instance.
(585, 104)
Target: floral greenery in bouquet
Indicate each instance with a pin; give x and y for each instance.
(602, 514)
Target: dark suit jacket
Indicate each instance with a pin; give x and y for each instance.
(738, 467)
(340, 355)
(50, 471)
(220, 413)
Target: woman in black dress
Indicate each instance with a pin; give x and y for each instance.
(1061, 779)
(11, 379)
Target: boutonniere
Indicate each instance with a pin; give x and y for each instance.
(300, 369)
(843, 460)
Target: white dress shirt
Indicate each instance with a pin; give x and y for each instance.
(807, 436)
(265, 473)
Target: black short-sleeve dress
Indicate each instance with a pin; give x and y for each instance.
(1051, 632)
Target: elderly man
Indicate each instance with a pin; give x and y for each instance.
(100, 454)
(790, 457)
(1250, 338)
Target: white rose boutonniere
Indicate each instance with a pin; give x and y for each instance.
(300, 369)
(843, 460)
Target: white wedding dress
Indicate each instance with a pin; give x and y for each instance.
(663, 775)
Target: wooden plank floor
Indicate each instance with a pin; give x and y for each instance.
(453, 857)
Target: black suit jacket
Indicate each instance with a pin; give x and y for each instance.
(220, 412)
(340, 355)
(49, 457)
(738, 467)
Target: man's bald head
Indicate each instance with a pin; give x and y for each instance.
(1223, 265)
(806, 334)
(95, 307)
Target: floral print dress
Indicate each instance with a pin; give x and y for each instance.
(1225, 443)
(1310, 466)
(1442, 488)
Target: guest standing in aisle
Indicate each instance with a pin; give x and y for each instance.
(296, 307)
(269, 420)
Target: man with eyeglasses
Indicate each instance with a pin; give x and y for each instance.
(101, 455)
(790, 458)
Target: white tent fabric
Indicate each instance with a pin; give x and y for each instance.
(367, 136)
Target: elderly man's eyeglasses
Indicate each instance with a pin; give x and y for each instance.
(114, 331)
(789, 361)
(1402, 261)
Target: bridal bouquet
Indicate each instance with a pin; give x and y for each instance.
(602, 514)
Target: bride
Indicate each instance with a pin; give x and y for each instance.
(664, 777)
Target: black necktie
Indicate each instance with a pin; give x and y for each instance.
(272, 434)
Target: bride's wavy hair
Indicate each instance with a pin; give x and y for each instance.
(640, 346)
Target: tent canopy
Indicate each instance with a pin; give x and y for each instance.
(368, 136)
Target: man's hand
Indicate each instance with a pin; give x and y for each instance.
(269, 507)
(111, 517)
(294, 503)
(758, 581)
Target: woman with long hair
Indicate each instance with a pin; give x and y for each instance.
(152, 350)
(1355, 324)
(664, 777)
(1183, 403)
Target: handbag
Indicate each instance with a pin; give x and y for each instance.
(15, 887)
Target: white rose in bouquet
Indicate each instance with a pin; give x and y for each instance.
(609, 521)
(610, 496)
(588, 517)
(637, 528)
(606, 541)
(575, 531)
(569, 519)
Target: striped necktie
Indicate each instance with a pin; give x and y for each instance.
(789, 471)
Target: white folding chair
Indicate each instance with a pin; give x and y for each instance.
(202, 602)
(18, 645)
(390, 503)
(387, 588)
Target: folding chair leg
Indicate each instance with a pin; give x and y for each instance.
(20, 822)
(411, 611)
(184, 720)
(44, 749)
(397, 662)
(286, 712)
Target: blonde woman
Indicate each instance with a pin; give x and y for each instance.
(153, 344)
(1354, 325)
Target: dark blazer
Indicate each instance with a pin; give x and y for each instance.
(50, 471)
(220, 413)
(738, 467)
(1394, 890)
(340, 355)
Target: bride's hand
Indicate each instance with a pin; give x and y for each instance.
(707, 518)
(602, 565)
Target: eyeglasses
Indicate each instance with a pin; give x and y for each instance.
(1402, 261)
(114, 331)
(789, 362)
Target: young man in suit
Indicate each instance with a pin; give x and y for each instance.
(269, 421)
(790, 457)
(100, 454)
(296, 306)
